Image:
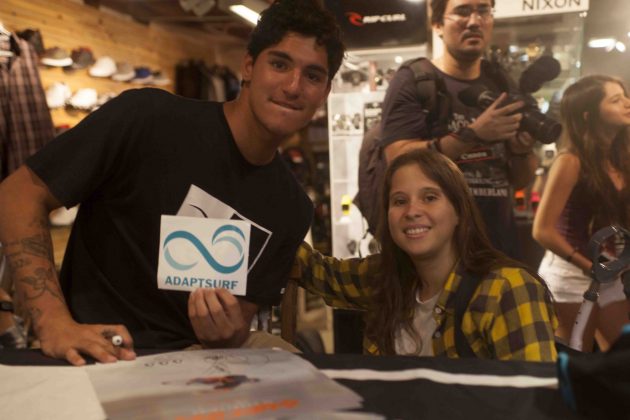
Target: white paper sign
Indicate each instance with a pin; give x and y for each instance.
(203, 253)
(517, 8)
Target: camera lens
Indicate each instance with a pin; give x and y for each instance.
(541, 127)
(549, 131)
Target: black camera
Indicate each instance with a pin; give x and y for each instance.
(534, 122)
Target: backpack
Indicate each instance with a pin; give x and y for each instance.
(372, 165)
(432, 93)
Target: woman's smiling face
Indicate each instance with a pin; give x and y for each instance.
(421, 218)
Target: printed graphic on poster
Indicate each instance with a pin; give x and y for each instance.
(203, 253)
(217, 384)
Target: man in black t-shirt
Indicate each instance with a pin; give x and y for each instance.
(493, 155)
(147, 154)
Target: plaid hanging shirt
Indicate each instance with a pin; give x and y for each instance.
(25, 121)
(509, 317)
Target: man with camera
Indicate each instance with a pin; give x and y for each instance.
(494, 155)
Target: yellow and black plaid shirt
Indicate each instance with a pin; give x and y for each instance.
(509, 316)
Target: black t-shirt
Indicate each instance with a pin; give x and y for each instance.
(137, 158)
(485, 167)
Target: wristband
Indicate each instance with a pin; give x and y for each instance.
(466, 135)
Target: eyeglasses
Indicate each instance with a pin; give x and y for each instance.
(462, 14)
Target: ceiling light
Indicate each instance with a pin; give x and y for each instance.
(602, 43)
(620, 46)
(246, 13)
(246, 9)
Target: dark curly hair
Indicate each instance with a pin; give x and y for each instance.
(438, 7)
(304, 17)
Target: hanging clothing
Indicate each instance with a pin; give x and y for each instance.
(196, 80)
(25, 121)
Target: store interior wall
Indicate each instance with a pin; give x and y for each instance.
(607, 19)
(70, 24)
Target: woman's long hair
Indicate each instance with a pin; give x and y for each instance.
(582, 135)
(397, 284)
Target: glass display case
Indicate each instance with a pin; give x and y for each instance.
(520, 41)
(354, 106)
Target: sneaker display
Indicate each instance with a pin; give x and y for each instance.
(63, 216)
(84, 99)
(159, 79)
(82, 57)
(56, 57)
(104, 67)
(102, 99)
(143, 76)
(57, 95)
(124, 72)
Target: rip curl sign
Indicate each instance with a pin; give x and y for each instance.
(207, 253)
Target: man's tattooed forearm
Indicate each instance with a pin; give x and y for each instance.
(17, 263)
(39, 245)
(39, 222)
(42, 282)
(34, 313)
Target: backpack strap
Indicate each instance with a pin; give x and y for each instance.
(432, 94)
(467, 286)
(435, 97)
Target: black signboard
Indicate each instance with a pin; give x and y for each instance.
(380, 23)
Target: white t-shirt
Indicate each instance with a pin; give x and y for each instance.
(424, 324)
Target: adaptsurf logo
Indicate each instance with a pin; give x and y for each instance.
(203, 253)
(219, 263)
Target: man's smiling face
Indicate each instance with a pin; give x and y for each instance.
(287, 83)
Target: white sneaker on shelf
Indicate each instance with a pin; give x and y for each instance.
(63, 216)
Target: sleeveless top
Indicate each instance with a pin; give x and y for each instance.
(574, 223)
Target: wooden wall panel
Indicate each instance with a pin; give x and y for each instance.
(70, 24)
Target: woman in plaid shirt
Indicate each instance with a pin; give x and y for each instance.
(432, 237)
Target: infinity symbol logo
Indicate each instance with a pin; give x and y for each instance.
(220, 235)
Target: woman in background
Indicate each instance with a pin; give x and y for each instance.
(586, 190)
(433, 242)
